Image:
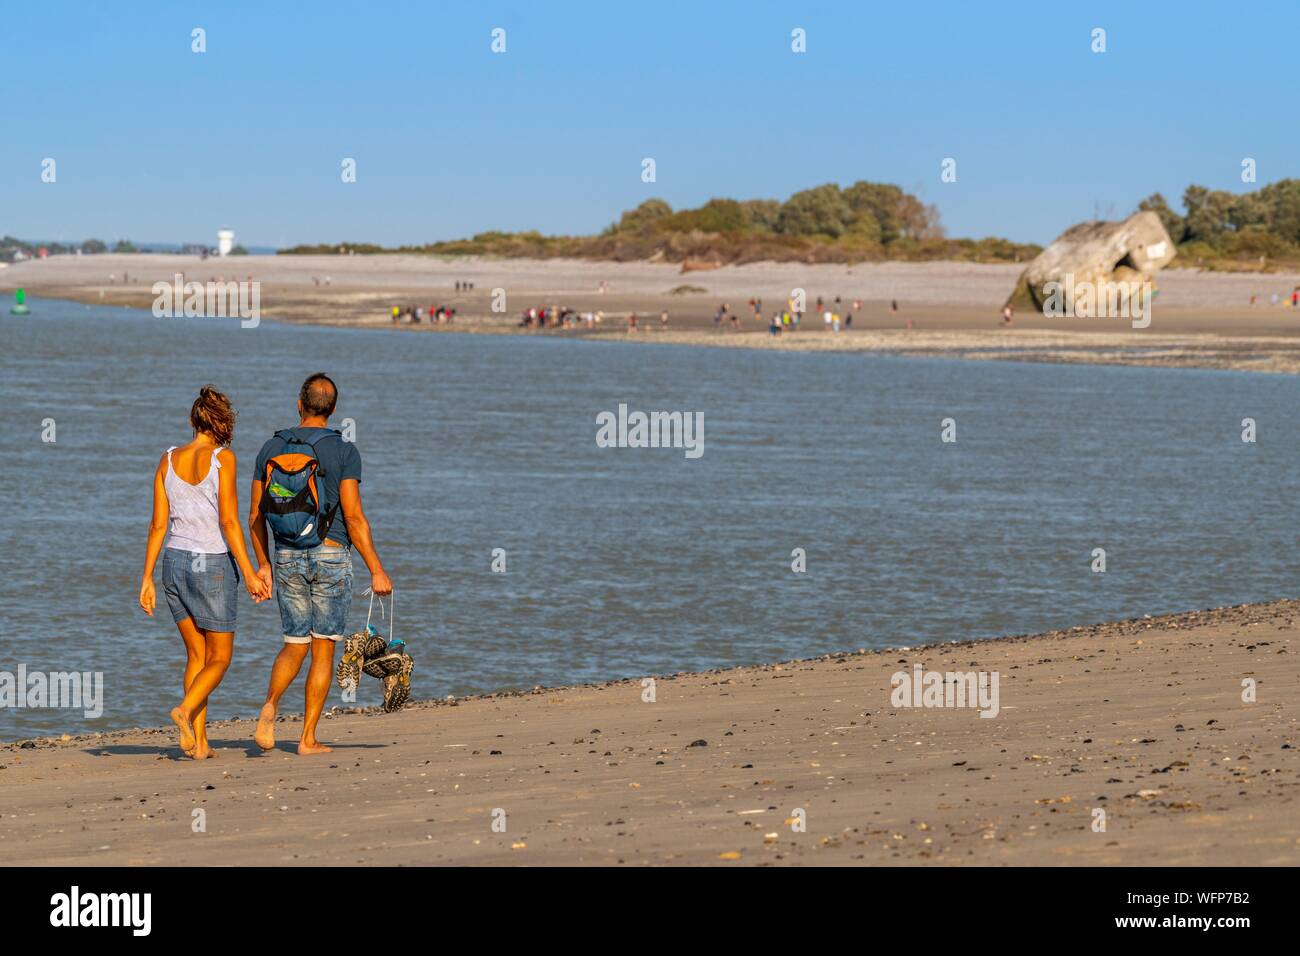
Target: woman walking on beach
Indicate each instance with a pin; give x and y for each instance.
(196, 527)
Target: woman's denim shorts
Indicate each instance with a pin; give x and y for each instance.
(202, 586)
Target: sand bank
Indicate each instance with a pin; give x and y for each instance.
(1143, 719)
(1199, 319)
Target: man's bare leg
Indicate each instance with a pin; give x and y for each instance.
(283, 673)
(318, 687)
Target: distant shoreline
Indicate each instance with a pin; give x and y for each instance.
(1200, 320)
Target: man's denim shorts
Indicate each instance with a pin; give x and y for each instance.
(314, 589)
(202, 586)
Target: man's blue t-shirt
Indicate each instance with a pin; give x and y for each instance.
(338, 458)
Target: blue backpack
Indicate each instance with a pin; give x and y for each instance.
(293, 499)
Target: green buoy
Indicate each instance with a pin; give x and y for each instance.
(19, 307)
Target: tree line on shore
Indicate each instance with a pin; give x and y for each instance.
(876, 222)
(1219, 229)
(863, 222)
(12, 249)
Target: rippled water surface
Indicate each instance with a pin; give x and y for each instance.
(626, 562)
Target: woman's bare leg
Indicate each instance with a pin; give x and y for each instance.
(219, 646)
(216, 659)
(195, 657)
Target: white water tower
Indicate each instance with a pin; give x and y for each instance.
(225, 241)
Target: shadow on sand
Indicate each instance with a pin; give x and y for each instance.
(250, 749)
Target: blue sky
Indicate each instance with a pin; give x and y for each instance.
(156, 143)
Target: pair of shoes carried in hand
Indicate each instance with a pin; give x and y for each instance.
(389, 662)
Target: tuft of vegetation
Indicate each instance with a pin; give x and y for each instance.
(334, 249)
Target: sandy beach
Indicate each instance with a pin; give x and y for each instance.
(1143, 719)
(1199, 319)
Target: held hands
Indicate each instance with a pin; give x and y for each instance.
(259, 585)
(147, 598)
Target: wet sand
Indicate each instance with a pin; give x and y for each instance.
(1199, 319)
(1141, 718)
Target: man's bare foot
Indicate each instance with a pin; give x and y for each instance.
(265, 733)
(203, 750)
(315, 747)
(186, 728)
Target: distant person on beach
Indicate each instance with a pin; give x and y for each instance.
(663, 319)
(196, 527)
(775, 327)
(1008, 314)
(893, 305)
(313, 549)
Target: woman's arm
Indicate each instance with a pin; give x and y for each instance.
(228, 513)
(157, 532)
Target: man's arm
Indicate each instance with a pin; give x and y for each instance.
(257, 532)
(359, 532)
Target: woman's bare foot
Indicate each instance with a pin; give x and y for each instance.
(186, 728)
(203, 750)
(312, 747)
(265, 733)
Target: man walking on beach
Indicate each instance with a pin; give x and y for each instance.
(313, 558)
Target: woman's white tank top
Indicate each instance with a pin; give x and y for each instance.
(193, 515)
